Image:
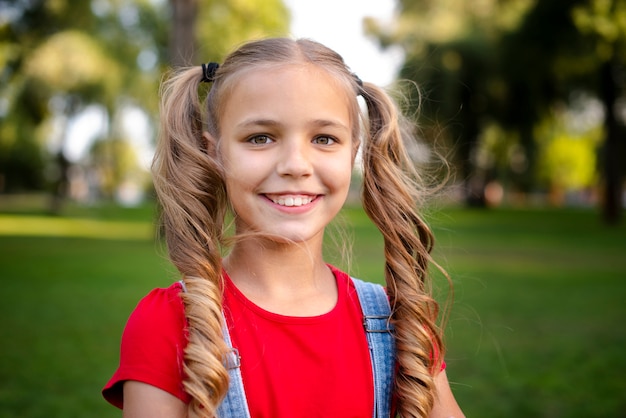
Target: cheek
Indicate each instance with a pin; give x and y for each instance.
(339, 173)
(243, 175)
(232, 163)
(244, 170)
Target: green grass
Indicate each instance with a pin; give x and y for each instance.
(537, 326)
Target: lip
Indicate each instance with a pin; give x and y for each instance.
(292, 201)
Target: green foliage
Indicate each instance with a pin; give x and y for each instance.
(22, 164)
(606, 21)
(490, 62)
(569, 162)
(224, 25)
(109, 53)
(84, 68)
(114, 160)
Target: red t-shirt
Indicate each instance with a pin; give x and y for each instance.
(291, 366)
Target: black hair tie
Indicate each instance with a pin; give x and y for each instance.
(359, 82)
(208, 72)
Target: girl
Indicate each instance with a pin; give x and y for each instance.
(269, 329)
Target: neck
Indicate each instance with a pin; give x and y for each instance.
(290, 279)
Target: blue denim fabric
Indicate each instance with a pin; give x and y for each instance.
(379, 331)
(234, 405)
(376, 314)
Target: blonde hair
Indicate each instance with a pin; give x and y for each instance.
(190, 185)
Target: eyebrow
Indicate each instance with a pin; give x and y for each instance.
(320, 123)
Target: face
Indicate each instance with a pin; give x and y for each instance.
(286, 145)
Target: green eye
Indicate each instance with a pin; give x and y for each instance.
(324, 140)
(260, 140)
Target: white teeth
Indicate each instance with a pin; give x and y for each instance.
(293, 201)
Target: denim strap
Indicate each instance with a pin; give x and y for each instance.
(234, 405)
(379, 332)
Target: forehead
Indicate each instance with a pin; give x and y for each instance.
(287, 85)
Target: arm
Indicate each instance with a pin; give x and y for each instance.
(445, 404)
(145, 401)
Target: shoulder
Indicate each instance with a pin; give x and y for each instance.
(370, 297)
(163, 298)
(353, 283)
(161, 301)
(160, 311)
(373, 297)
(152, 347)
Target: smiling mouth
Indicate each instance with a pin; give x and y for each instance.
(291, 201)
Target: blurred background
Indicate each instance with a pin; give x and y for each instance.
(525, 101)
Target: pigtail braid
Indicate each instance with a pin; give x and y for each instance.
(191, 191)
(390, 198)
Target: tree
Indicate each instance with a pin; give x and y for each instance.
(182, 47)
(52, 56)
(114, 160)
(575, 44)
(449, 47)
(602, 25)
(509, 63)
(24, 26)
(108, 53)
(220, 26)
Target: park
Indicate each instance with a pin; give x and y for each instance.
(535, 329)
(520, 115)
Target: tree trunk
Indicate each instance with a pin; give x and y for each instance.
(612, 209)
(182, 47)
(60, 184)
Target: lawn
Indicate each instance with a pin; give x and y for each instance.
(536, 329)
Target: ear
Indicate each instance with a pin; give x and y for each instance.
(210, 143)
(355, 150)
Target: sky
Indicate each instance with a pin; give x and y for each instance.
(337, 24)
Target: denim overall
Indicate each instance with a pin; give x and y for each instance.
(376, 313)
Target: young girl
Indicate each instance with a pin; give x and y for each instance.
(260, 325)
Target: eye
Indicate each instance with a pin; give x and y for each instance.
(324, 140)
(260, 140)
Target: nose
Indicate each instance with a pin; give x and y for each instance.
(295, 159)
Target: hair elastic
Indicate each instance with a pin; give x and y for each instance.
(208, 72)
(359, 83)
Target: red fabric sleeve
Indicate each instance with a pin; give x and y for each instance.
(152, 346)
